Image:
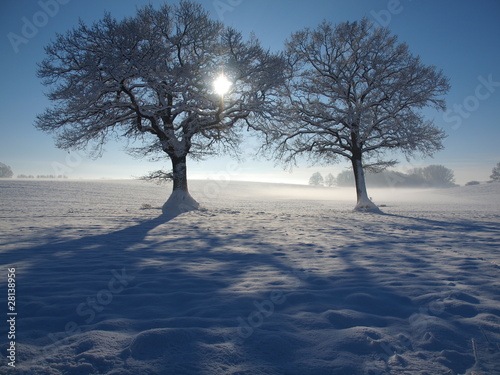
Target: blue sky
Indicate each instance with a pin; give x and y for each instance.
(460, 37)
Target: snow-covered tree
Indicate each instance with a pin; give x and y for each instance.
(316, 179)
(329, 180)
(150, 78)
(495, 173)
(5, 171)
(357, 93)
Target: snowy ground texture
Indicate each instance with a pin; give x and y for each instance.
(264, 280)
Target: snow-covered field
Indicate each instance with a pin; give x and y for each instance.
(266, 279)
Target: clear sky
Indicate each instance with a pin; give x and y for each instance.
(460, 37)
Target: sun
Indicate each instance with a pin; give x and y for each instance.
(222, 85)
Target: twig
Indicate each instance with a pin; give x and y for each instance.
(474, 348)
(486, 337)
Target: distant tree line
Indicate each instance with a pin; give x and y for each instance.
(6, 172)
(430, 176)
(47, 176)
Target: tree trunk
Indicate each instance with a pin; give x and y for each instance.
(180, 200)
(179, 171)
(363, 201)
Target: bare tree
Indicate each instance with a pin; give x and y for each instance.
(330, 180)
(5, 171)
(316, 179)
(495, 173)
(150, 79)
(356, 93)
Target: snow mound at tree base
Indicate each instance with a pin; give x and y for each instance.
(366, 205)
(180, 201)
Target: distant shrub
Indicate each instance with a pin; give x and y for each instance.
(495, 173)
(470, 183)
(5, 171)
(146, 206)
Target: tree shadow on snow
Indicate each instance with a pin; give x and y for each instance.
(171, 294)
(174, 298)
